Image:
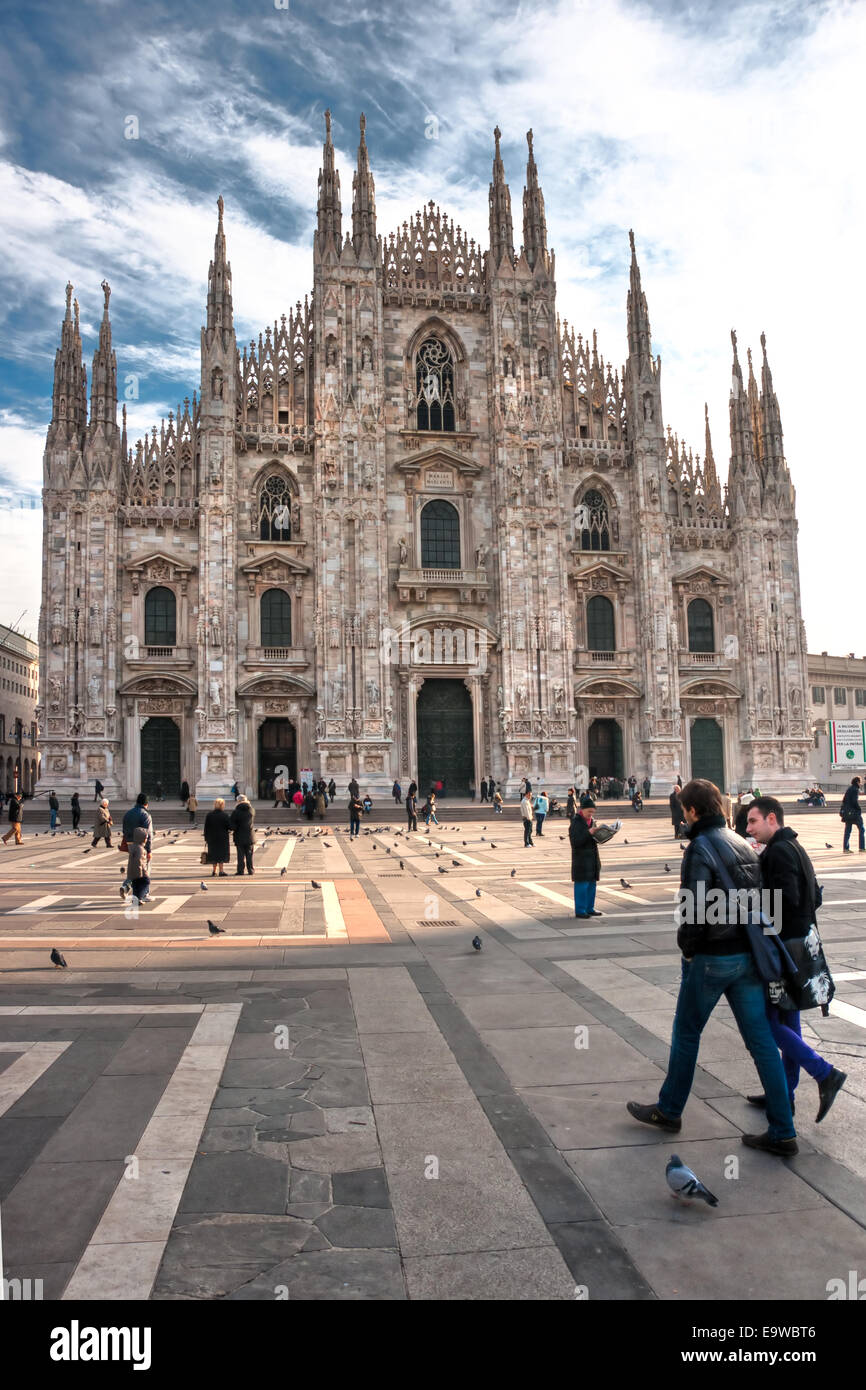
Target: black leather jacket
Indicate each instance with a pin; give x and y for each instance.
(725, 936)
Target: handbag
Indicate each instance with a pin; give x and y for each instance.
(811, 985)
(203, 857)
(124, 846)
(771, 956)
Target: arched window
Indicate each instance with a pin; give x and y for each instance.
(600, 629)
(160, 618)
(701, 634)
(440, 537)
(276, 613)
(434, 386)
(275, 510)
(591, 525)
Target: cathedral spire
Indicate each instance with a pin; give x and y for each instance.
(103, 378)
(743, 481)
(363, 198)
(754, 411)
(501, 225)
(639, 337)
(534, 224)
(711, 478)
(330, 213)
(219, 284)
(771, 419)
(69, 400)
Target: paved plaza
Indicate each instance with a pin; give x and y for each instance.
(341, 1099)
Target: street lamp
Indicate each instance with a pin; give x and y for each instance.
(19, 735)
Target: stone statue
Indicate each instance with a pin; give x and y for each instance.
(648, 407)
(389, 725)
(404, 550)
(581, 518)
(94, 629)
(55, 694)
(334, 626)
(216, 383)
(296, 518)
(320, 722)
(215, 635)
(796, 699)
(522, 700)
(480, 557)
(282, 517)
(58, 631)
(373, 693)
(508, 365)
(500, 697)
(110, 713)
(216, 693)
(558, 698)
(549, 485)
(337, 696)
(653, 488)
(94, 693)
(76, 721)
(366, 357)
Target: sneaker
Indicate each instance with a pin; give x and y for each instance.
(828, 1090)
(785, 1148)
(584, 915)
(594, 912)
(761, 1102)
(123, 892)
(651, 1115)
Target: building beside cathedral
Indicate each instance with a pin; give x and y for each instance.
(417, 528)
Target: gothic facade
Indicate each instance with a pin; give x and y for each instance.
(417, 527)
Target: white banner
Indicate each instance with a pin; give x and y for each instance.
(847, 743)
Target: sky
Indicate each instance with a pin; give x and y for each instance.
(727, 135)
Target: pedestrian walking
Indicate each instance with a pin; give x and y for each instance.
(647, 786)
(137, 815)
(184, 792)
(397, 792)
(309, 803)
(75, 807)
(192, 807)
(852, 814)
(354, 789)
(497, 802)
(483, 790)
(235, 791)
(787, 870)
(102, 825)
(542, 806)
(429, 811)
(15, 814)
(98, 789)
(136, 868)
(159, 793)
(355, 809)
(53, 810)
(321, 802)
(412, 808)
(717, 960)
(279, 791)
(571, 805)
(526, 815)
(241, 821)
(585, 860)
(332, 790)
(678, 820)
(217, 824)
(471, 788)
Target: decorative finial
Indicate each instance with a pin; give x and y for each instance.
(106, 290)
(764, 345)
(734, 340)
(328, 126)
(69, 289)
(749, 358)
(529, 142)
(75, 308)
(497, 136)
(706, 414)
(631, 240)
(363, 128)
(221, 207)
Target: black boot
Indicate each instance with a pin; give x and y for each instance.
(828, 1090)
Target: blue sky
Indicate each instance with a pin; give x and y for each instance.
(726, 135)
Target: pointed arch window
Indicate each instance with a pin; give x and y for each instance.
(160, 618)
(440, 537)
(275, 510)
(701, 633)
(434, 386)
(591, 521)
(600, 627)
(276, 615)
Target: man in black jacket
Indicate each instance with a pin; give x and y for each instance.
(585, 859)
(852, 814)
(786, 869)
(241, 822)
(716, 961)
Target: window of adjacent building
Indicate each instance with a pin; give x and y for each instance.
(700, 619)
(434, 386)
(160, 618)
(275, 510)
(591, 521)
(440, 537)
(860, 697)
(600, 628)
(818, 695)
(276, 614)
(2, 728)
(840, 695)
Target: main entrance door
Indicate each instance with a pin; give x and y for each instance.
(604, 752)
(160, 757)
(446, 751)
(708, 758)
(277, 748)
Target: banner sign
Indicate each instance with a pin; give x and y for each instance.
(847, 743)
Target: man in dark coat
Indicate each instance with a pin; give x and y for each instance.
(75, 804)
(585, 860)
(717, 960)
(241, 821)
(412, 808)
(786, 870)
(677, 817)
(852, 815)
(354, 789)
(14, 819)
(54, 808)
(483, 790)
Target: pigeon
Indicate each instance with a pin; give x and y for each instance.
(203, 886)
(441, 870)
(562, 837)
(315, 884)
(214, 929)
(463, 842)
(327, 846)
(492, 845)
(625, 883)
(87, 851)
(683, 1183)
(827, 845)
(483, 840)
(478, 892)
(401, 864)
(57, 960)
(625, 842)
(455, 863)
(513, 872)
(667, 868)
(283, 873)
(476, 943)
(387, 849)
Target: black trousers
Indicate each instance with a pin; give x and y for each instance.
(527, 832)
(413, 821)
(245, 856)
(76, 817)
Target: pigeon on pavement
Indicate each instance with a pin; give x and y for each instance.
(203, 886)
(492, 845)
(315, 884)
(214, 929)
(625, 883)
(667, 868)
(441, 870)
(513, 872)
(827, 845)
(476, 943)
(283, 873)
(684, 1184)
(478, 892)
(57, 959)
(456, 863)
(401, 864)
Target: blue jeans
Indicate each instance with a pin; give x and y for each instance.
(704, 980)
(785, 1027)
(354, 826)
(432, 816)
(539, 821)
(53, 820)
(584, 898)
(849, 824)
